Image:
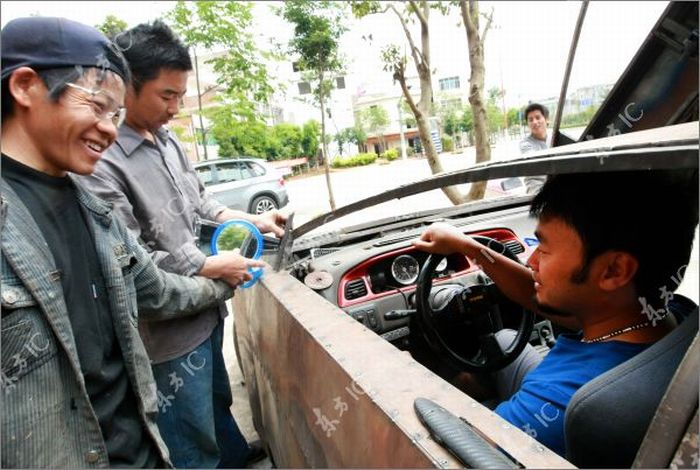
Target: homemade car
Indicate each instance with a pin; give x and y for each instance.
(338, 376)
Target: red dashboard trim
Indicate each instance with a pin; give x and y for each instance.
(361, 271)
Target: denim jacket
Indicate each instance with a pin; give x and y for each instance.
(47, 418)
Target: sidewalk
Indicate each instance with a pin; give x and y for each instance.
(241, 407)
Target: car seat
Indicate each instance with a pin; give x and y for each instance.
(607, 419)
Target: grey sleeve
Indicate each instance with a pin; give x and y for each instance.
(102, 182)
(525, 147)
(534, 183)
(162, 295)
(209, 208)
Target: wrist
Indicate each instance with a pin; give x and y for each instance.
(470, 247)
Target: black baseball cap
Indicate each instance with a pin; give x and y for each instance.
(45, 43)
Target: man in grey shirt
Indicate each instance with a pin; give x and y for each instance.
(154, 189)
(536, 116)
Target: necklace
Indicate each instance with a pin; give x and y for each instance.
(620, 331)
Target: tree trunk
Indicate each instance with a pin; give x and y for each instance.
(470, 18)
(451, 192)
(422, 110)
(324, 146)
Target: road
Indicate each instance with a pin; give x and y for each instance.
(309, 195)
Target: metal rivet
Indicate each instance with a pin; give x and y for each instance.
(92, 456)
(9, 296)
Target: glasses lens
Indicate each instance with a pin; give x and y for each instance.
(118, 117)
(103, 105)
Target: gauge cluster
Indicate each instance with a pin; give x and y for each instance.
(401, 270)
(405, 269)
(395, 273)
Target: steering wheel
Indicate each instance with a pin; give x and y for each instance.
(439, 310)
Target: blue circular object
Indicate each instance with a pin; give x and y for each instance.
(255, 272)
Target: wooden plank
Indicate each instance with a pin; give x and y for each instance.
(301, 355)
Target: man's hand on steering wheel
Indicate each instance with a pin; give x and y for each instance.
(480, 299)
(441, 239)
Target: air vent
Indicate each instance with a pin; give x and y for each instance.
(514, 246)
(355, 289)
(394, 240)
(318, 252)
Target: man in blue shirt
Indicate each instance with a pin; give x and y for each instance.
(598, 269)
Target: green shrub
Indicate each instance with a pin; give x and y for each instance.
(391, 155)
(356, 160)
(448, 145)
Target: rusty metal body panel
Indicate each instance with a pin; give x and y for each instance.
(305, 360)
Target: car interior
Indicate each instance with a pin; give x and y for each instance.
(628, 416)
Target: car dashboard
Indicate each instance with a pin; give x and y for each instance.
(374, 280)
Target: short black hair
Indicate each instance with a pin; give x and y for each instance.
(536, 107)
(150, 48)
(649, 214)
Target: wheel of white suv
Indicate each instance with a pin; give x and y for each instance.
(263, 204)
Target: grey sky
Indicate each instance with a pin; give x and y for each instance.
(526, 49)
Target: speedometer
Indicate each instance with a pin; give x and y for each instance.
(405, 269)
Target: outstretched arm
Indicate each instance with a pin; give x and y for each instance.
(513, 279)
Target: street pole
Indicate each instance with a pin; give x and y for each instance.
(199, 102)
(402, 141)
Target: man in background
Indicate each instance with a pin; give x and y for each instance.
(536, 116)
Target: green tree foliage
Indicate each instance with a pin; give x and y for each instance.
(466, 121)
(375, 119)
(357, 135)
(181, 134)
(213, 25)
(514, 117)
(287, 139)
(310, 140)
(341, 139)
(450, 124)
(318, 26)
(356, 160)
(391, 155)
(494, 113)
(581, 118)
(448, 144)
(111, 26)
(253, 138)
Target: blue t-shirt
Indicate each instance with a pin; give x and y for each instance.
(538, 407)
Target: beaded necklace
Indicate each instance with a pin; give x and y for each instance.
(620, 331)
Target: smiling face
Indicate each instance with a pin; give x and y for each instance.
(65, 135)
(157, 102)
(537, 124)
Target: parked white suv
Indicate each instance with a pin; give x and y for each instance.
(247, 184)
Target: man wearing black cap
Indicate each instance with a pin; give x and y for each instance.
(76, 380)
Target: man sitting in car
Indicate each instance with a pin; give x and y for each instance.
(612, 247)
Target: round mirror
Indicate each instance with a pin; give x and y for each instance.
(243, 236)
